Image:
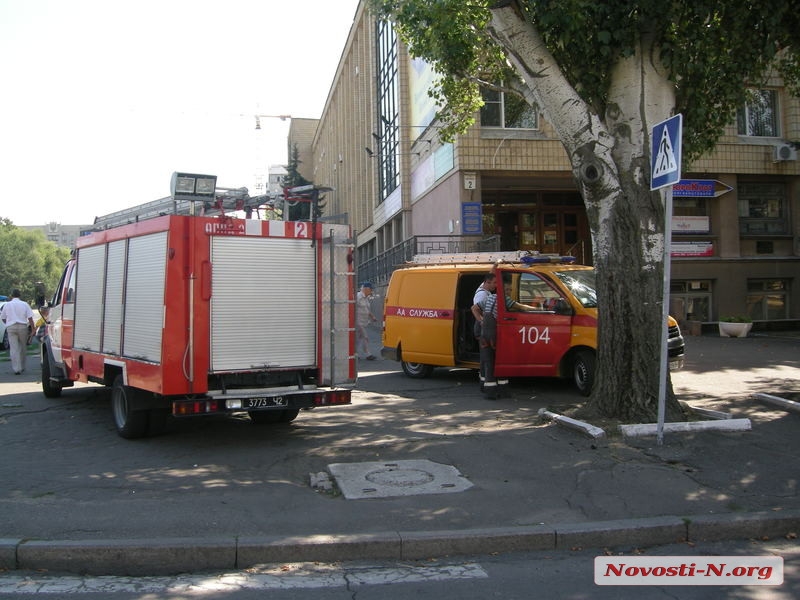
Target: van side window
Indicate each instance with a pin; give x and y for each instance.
(536, 292)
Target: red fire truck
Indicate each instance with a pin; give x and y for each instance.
(186, 315)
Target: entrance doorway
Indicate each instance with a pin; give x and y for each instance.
(562, 231)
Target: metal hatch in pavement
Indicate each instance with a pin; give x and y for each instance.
(397, 478)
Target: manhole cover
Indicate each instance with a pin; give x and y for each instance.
(397, 478)
(400, 477)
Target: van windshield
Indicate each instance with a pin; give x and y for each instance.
(582, 285)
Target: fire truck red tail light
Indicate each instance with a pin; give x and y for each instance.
(194, 407)
(333, 397)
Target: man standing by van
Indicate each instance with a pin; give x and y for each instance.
(486, 314)
(485, 289)
(18, 316)
(482, 294)
(488, 286)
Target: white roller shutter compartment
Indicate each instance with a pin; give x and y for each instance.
(89, 297)
(263, 303)
(144, 297)
(112, 313)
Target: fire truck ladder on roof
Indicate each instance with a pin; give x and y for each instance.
(226, 200)
(469, 257)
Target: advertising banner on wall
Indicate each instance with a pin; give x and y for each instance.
(471, 218)
(692, 249)
(691, 224)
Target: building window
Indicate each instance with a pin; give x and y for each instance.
(507, 111)
(762, 209)
(689, 207)
(767, 299)
(387, 136)
(759, 117)
(690, 300)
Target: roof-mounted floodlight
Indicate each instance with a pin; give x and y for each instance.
(194, 187)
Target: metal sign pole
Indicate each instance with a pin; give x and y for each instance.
(665, 170)
(664, 369)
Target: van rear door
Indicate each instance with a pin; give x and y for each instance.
(419, 315)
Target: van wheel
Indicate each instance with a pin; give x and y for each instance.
(583, 367)
(130, 423)
(49, 389)
(416, 370)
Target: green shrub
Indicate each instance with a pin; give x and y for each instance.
(736, 319)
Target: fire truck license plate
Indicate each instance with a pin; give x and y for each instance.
(261, 402)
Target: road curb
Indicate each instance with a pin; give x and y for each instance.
(181, 555)
(785, 404)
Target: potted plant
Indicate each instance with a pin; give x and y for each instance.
(735, 326)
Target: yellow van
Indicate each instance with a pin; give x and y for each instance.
(428, 320)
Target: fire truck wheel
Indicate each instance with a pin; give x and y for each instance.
(50, 389)
(416, 370)
(583, 371)
(130, 423)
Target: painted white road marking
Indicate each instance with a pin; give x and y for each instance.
(290, 576)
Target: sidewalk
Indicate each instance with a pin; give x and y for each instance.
(534, 485)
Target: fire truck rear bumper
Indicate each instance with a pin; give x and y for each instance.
(260, 400)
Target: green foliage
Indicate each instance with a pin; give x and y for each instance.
(736, 319)
(450, 35)
(27, 257)
(711, 49)
(293, 177)
(300, 210)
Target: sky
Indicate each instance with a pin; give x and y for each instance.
(104, 99)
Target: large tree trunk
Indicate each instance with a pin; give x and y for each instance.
(630, 247)
(610, 160)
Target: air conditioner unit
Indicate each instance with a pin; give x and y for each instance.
(784, 152)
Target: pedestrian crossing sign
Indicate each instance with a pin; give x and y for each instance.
(665, 155)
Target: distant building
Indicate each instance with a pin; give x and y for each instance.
(277, 175)
(61, 235)
(301, 134)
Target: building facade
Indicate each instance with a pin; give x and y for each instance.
(60, 235)
(507, 184)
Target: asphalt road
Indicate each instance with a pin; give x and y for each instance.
(66, 475)
(565, 575)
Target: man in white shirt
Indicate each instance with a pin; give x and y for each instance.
(18, 316)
